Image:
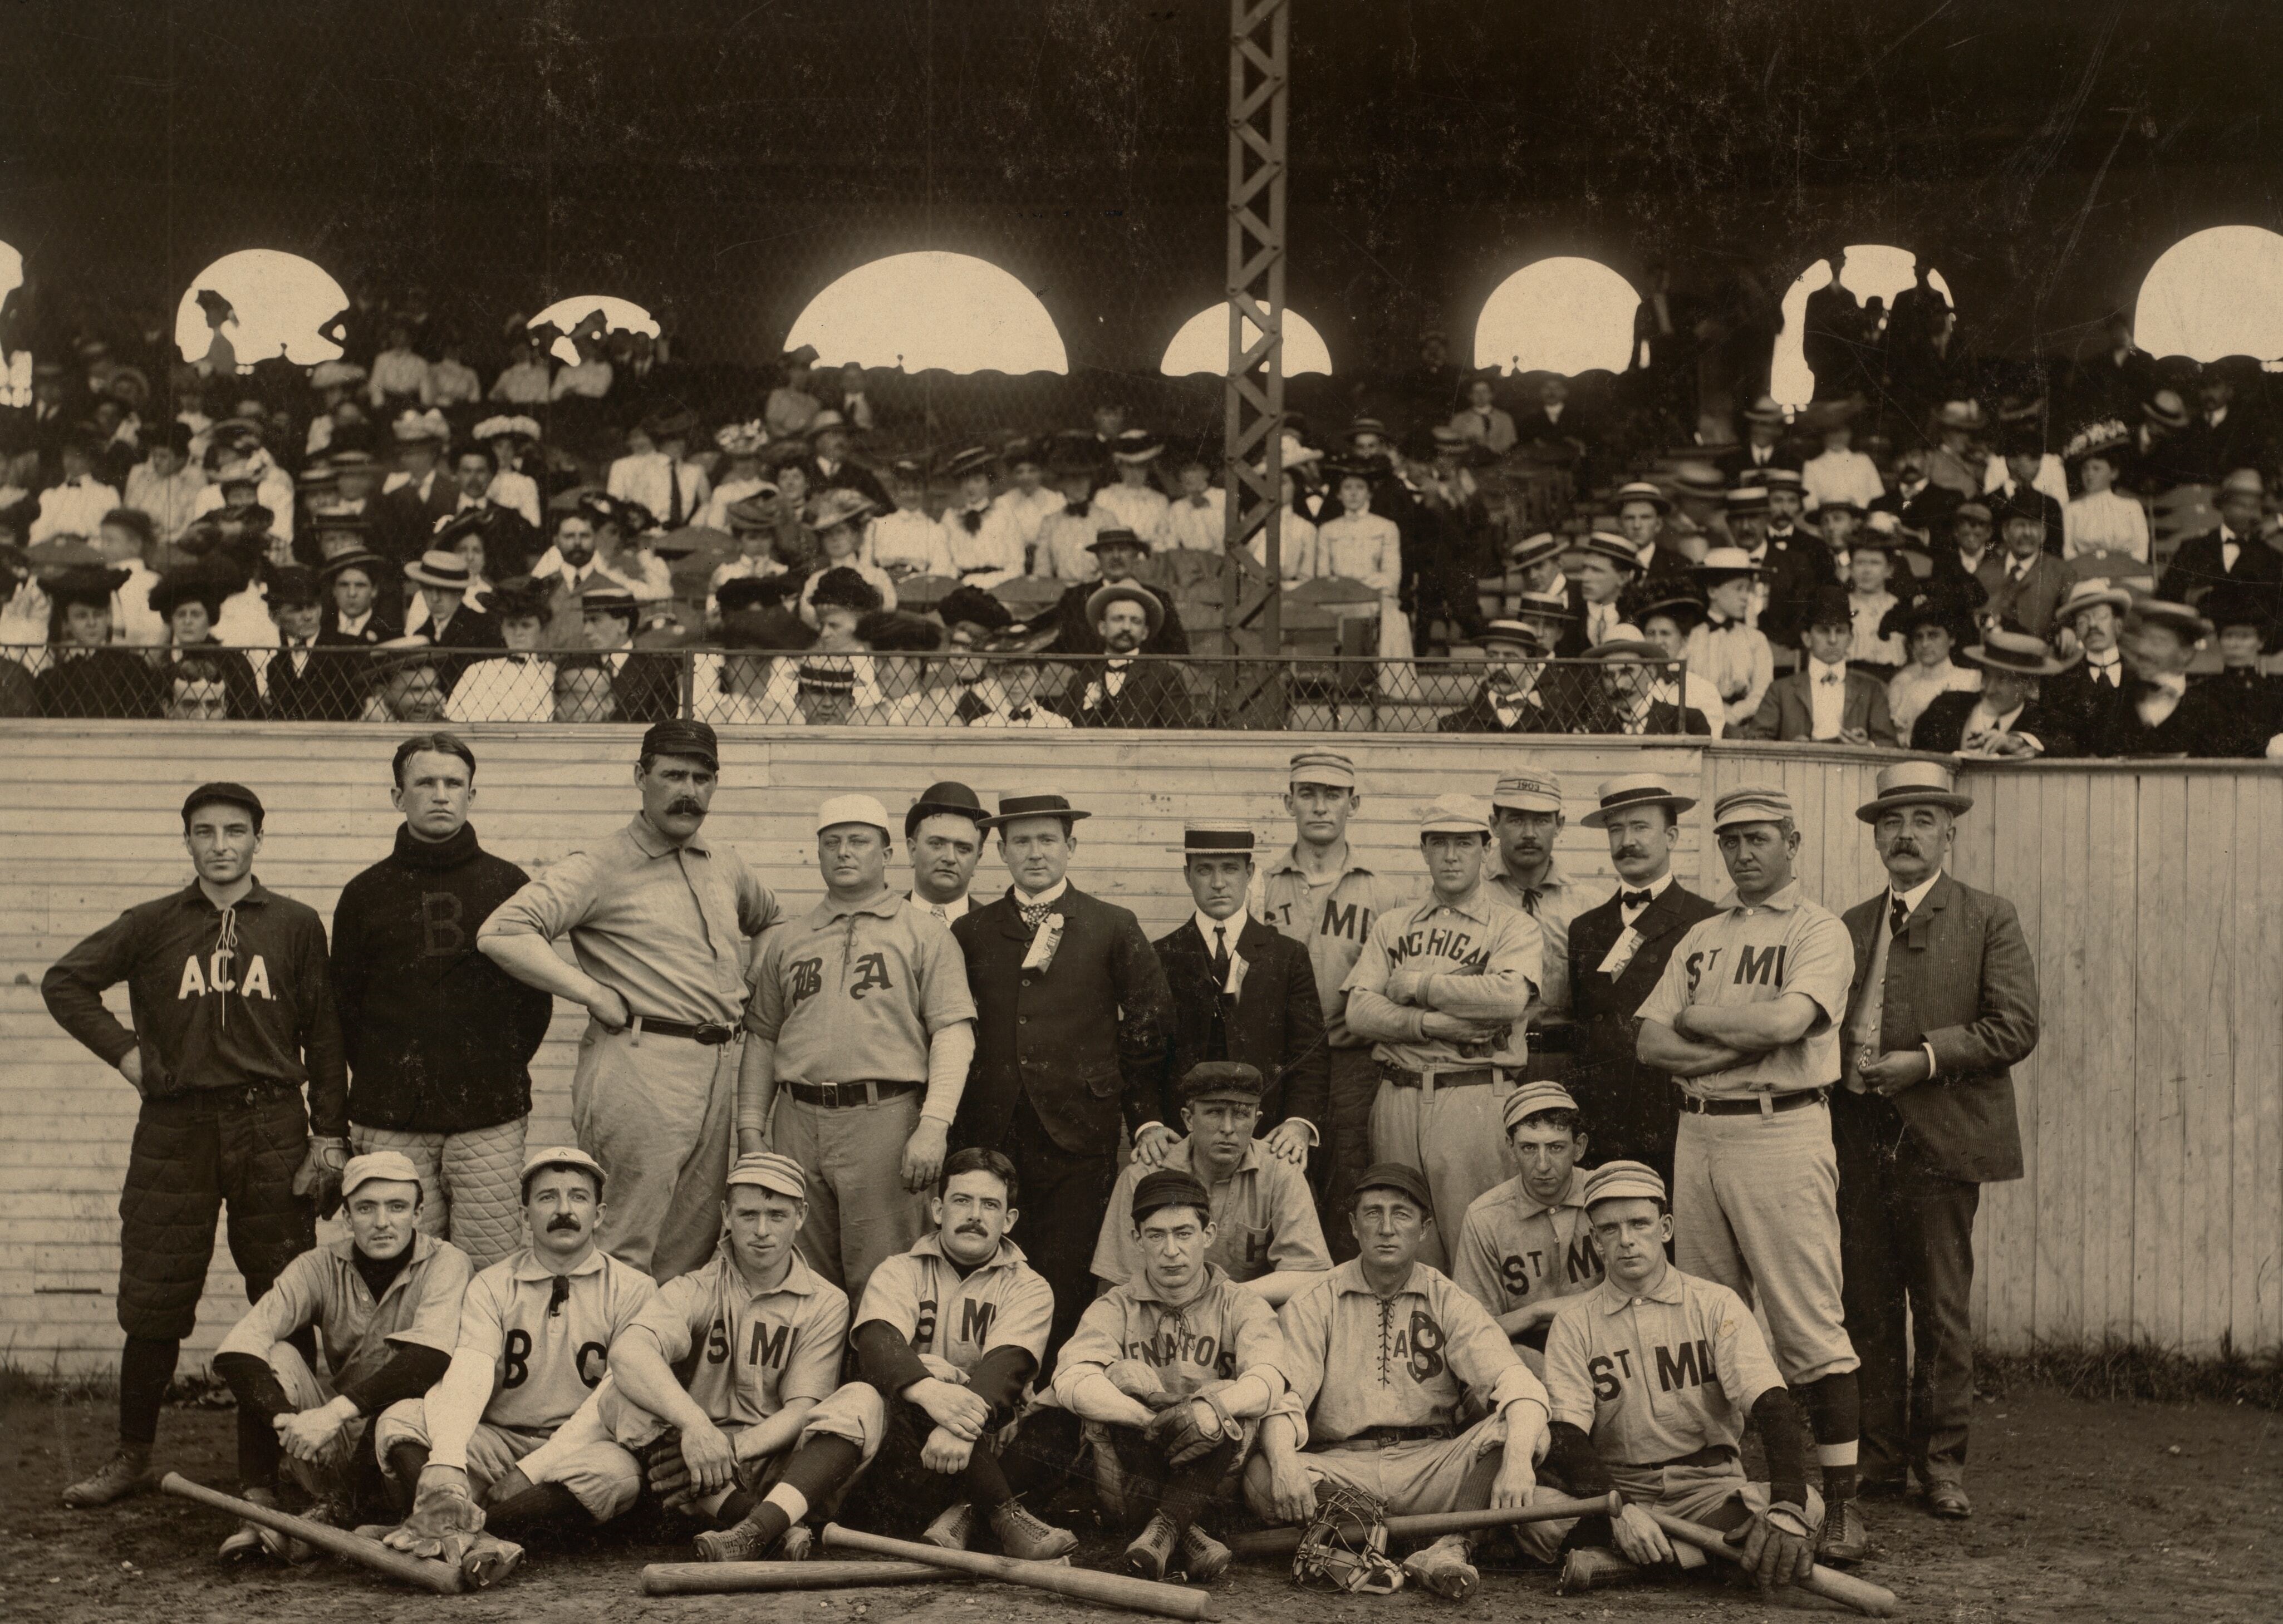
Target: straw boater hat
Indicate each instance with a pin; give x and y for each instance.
(1153, 607)
(1511, 634)
(1724, 561)
(2019, 654)
(1613, 550)
(1633, 789)
(447, 571)
(1641, 490)
(1215, 838)
(1533, 550)
(1012, 807)
(2179, 616)
(2090, 593)
(1914, 783)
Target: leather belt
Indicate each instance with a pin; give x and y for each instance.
(1379, 1437)
(1469, 1078)
(1559, 1038)
(711, 1033)
(1753, 1105)
(1710, 1455)
(837, 1096)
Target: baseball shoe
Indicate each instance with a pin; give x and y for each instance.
(489, 1560)
(246, 1540)
(1151, 1553)
(1844, 1541)
(1028, 1538)
(953, 1528)
(1443, 1568)
(1947, 1497)
(742, 1543)
(127, 1473)
(1593, 1568)
(1203, 1558)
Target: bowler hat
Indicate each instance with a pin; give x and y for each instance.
(951, 798)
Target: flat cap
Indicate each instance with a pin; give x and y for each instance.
(393, 1165)
(1169, 1187)
(1322, 766)
(692, 741)
(1401, 1177)
(1218, 1077)
(226, 794)
(1750, 803)
(767, 1171)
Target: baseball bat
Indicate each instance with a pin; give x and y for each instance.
(1171, 1601)
(1860, 1593)
(444, 1578)
(726, 1578)
(1434, 1525)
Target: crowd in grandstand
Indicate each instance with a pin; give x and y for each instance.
(1987, 557)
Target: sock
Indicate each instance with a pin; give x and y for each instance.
(984, 1481)
(543, 1507)
(736, 1508)
(146, 1364)
(258, 1450)
(406, 1462)
(1834, 1414)
(819, 1466)
(782, 1506)
(1192, 1488)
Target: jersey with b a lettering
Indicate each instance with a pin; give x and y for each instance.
(1356, 1360)
(851, 993)
(1513, 1253)
(1655, 1378)
(548, 1335)
(1223, 1332)
(749, 1353)
(958, 1319)
(1755, 953)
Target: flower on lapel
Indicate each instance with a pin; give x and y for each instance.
(1049, 937)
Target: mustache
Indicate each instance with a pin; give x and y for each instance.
(971, 1229)
(562, 1220)
(1632, 850)
(688, 805)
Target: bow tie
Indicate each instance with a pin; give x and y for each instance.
(1635, 899)
(1830, 679)
(1118, 664)
(1020, 714)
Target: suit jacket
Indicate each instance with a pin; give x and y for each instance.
(1665, 722)
(1927, 512)
(2200, 565)
(1602, 1006)
(1275, 1023)
(1969, 588)
(1799, 565)
(2255, 701)
(330, 690)
(2207, 723)
(2079, 706)
(1152, 695)
(1788, 711)
(2210, 455)
(1083, 1039)
(1959, 978)
(402, 524)
(1737, 459)
(1941, 726)
(647, 688)
(1479, 715)
(2032, 602)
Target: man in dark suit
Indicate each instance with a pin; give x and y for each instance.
(1797, 566)
(307, 682)
(1242, 992)
(405, 515)
(1944, 1003)
(1616, 953)
(2006, 720)
(2161, 713)
(1117, 690)
(1517, 693)
(1823, 699)
(2226, 434)
(1968, 565)
(2235, 552)
(1919, 506)
(1118, 553)
(1624, 702)
(2032, 582)
(1764, 444)
(646, 687)
(1070, 1039)
(2080, 700)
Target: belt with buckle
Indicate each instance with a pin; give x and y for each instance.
(1470, 1078)
(1379, 1437)
(713, 1034)
(1753, 1105)
(835, 1096)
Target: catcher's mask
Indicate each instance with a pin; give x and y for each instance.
(1345, 1546)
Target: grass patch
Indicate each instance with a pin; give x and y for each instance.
(2136, 1372)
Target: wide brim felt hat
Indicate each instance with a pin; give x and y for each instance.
(371, 563)
(2179, 617)
(1915, 783)
(1015, 807)
(85, 584)
(839, 506)
(2016, 654)
(519, 595)
(193, 584)
(1684, 609)
(1153, 606)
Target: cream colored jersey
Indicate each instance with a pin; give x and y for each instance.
(321, 1288)
(1264, 1219)
(549, 1345)
(1659, 1377)
(851, 993)
(959, 1318)
(1218, 1335)
(754, 1351)
(1513, 1252)
(1356, 1360)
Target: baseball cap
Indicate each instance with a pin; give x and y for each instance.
(1531, 1098)
(393, 1165)
(1322, 766)
(1623, 1181)
(1169, 1187)
(1401, 1176)
(693, 741)
(1218, 1077)
(854, 809)
(767, 1171)
(1750, 803)
(1538, 792)
(562, 1156)
(227, 794)
(1454, 814)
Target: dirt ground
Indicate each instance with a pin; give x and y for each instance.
(2085, 1512)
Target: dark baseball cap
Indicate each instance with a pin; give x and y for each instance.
(1169, 1187)
(1401, 1177)
(1218, 1077)
(691, 741)
(226, 795)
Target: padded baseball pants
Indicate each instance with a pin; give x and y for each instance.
(471, 1184)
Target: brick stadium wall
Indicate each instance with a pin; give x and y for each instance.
(2098, 1240)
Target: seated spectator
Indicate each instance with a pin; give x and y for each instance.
(197, 691)
(1026, 504)
(838, 517)
(626, 533)
(795, 546)
(1118, 553)
(2226, 433)
(399, 373)
(406, 684)
(2004, 719)
(124, 539)
(1296, 537)
(1642, 510)
(2160, 712)
(1921, 508)
(2027, 466)
(1928, 626)
(1766, 424)
(2236, 552)
(301, 680)
(647, 687)
(838, 600)
(2245, 631)
(590, 376)
(2034, 581)
(790, 406)
(1667, 618)
(1604, 567)
(584, 691)
(1872, 650)
(1823, 699)
(524, 382)
(352, 581)
(1633, 669)
(165, 485)
(1552, 428)
(824, 692)
(980, 538)
(1969, 567)
(1007, 696)
(1135, 502)
(450, 622)
(1510, 698)
(75, 505)
(1839, 523)
(741, 445)
(663, 478)
(1730, 654)
(1359, 545)
(856, 397)
(191, 599)
(23, 608)
(1117, 691)
(904, 541)
(517, 686)
(86, 675)
(1958, 462)
(752, 523)
(451, 381)
(897, 643)
(1482, 422)
(752, 678)
(1838, 472)
(2098, 520)
(1198, 517)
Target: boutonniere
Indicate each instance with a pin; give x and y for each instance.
(1237, 967)
(1049, 937)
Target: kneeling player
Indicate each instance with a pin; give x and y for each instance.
(763, 1431)
(1381, 1356)
(505, 1444)
(950, 1333)
(1265, 1232)
(386, 1303)
(1652, 1374)
(1525, 1245)
(1171, 1371)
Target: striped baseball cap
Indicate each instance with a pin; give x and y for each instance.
(767, 1171)
(1454, 814)
(1750, 803)
(1322, 766)
(1531, 1098)
(1538, 792)
(1613, 1181)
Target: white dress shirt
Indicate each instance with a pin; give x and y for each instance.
(2104, 521)
(986, 556)
(133, 620)
(1198, 523)
(1629, 912)
(1842, 476)
(950, 913)
(1827, 697)
(2106, 668)
(1140, 509)
(1026, 513)
(1911, 689)
(650, 480)
(74, 509)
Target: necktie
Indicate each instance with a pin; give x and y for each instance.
(1898, 914)
(673, 497)
(1221, 956)
(2105, 674)
(941, 912)
(1529, 902)
(558, 1295)
(1633, 899)
(1034, 913)
(1829, 680)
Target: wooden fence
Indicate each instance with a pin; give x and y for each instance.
(2155, 1197)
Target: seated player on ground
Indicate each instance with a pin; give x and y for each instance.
(1652, 1375)
(763, 1430)
(1525, 1245)
(505, 1444)
(950, 1334)
(1383, 1357)
(386, 1302)
(1266, 1233)
(1171, 1371)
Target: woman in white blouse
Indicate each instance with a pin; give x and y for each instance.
(1928, 625)
(2097, 519)
(1840, 473)
(1362, 546)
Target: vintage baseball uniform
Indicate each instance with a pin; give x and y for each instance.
(1553, 902)
(669, 927)
(1377, 1385)
(850, 993)
(1755, 1195)
(958, 1319)
(1513, 1252)
(1483, 961)
(1264, 1218)
(549, 1347)
(1221, 1334)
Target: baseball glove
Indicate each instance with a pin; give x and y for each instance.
(1779, 1546)
(664, 1473)
(445, 1519)
(1345, 1547)
(1175, 1431)
(1140, 1381)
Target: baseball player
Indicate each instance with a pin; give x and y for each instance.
(232, 1008)
(1524, 1246)
(1171, 1372)
(1262, 1217)
(763, 1430)
(943, 832)
(1746, 1018)
(1320, 894)
(1526, 819)
(950, 1333)
(508, 1428)
(386, 1302)
(1381, 1356)
(1446, 987)
(1652, 1375)
(858, 1007)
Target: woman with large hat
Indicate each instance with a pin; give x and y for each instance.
(840, 519)
(191, 599)
(1931, 626)
(1726, 650)
(87, 675)
(2098, 518)
(978, 536)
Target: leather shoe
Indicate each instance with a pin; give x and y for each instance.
(1947, 1497)
(1844, 1540)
